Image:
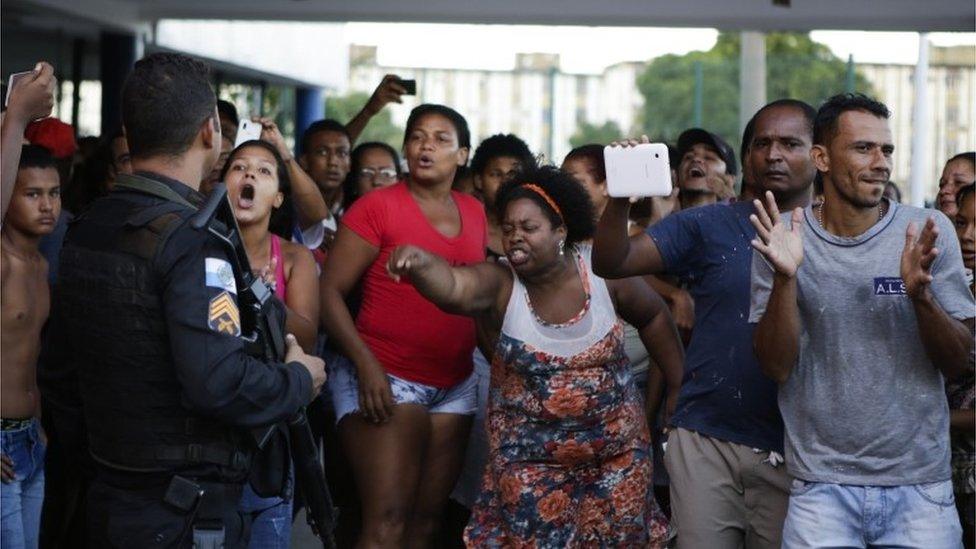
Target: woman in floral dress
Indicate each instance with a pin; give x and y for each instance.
(569, 462)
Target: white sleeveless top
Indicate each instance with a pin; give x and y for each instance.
(569, 339)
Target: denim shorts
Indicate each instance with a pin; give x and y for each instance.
(921, 516)
(343, 383)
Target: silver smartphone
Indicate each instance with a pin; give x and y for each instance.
(12, 81)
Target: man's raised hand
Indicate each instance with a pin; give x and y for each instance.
(782, 246)
(917, 257)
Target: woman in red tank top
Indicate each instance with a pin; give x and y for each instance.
(257, 182)
(403, 404)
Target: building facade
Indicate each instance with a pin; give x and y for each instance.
(535, 100)
(545, 106)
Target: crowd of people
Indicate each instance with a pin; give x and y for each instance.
(493, 351)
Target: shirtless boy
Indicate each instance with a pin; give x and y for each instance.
(24, 305)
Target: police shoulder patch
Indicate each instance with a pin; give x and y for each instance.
(223, 316)
(220, 275)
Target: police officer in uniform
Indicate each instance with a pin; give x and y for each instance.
(150, 363)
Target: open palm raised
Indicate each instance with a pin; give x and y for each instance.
(781, 245)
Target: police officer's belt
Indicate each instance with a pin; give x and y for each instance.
(167, 456)
(163, 457)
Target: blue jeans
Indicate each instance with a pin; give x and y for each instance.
(271, 525)
(21, 499)
(840, 516)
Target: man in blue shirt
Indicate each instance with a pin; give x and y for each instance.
(723, 451)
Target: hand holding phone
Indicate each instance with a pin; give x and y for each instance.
(637, 169)
(410, 87)
(30, 94)
(390, 90)
(247, 131)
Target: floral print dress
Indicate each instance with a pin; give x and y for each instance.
(569, 462)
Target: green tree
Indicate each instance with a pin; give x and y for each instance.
(380, 128)
(796, 67)
(591, 133)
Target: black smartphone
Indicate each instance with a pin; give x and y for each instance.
(410, 86)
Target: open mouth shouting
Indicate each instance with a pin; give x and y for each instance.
(246, 199)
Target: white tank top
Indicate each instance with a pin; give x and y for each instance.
(564, 340)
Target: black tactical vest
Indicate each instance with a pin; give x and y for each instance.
(109, 298)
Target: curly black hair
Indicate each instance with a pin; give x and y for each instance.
(571, 198)
(500, 145)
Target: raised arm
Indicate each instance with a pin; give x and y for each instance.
(389, 91)
(947, 341)
(310, 207)
(615, 255)
(467, 290)
(30, 99)
(777, 336)
(644, 309)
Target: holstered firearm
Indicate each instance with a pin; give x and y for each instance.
(264, 337)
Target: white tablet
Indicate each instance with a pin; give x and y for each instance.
(642, 170)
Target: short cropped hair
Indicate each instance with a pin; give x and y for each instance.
(458, 121)
(575, 208)
(322, 126)
(498, 146)
(825, 125)
(809, 114)
(36, 156)
(164, 101)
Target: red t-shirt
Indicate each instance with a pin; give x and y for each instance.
(409, 335)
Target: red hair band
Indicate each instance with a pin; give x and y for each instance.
(552, 203)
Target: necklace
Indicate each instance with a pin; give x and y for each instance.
(823, 201)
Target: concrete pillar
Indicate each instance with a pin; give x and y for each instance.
(309, 107)
(920, 125)
(118, 53)
(752, 75)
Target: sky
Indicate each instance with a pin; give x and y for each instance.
(272, 46)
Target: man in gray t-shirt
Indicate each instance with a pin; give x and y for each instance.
(862, 306)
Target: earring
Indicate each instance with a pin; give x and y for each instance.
(562, 247)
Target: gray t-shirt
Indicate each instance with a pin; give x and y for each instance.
(864, 405)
